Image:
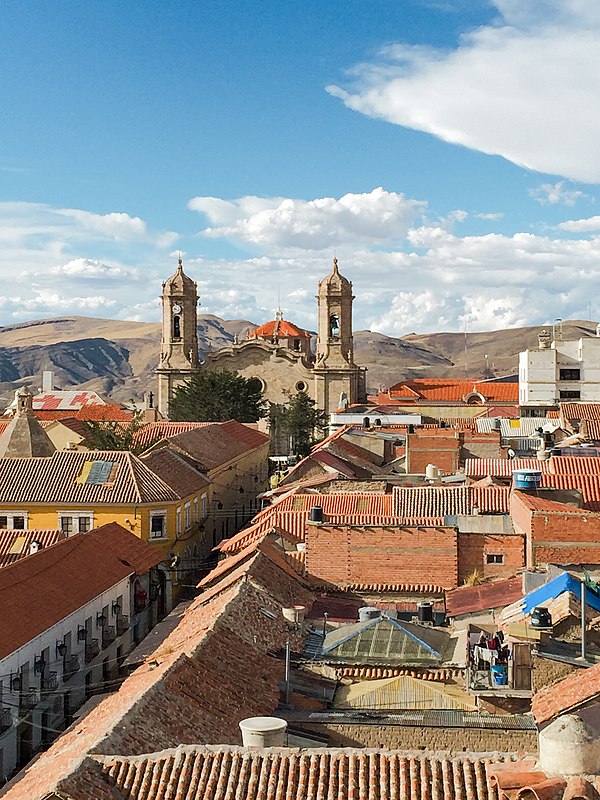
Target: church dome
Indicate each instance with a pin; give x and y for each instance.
(179, 283)
(334, 282)
(278, 327)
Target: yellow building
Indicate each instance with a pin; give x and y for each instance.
(164, 501)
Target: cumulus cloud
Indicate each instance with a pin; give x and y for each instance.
(524, 87)
(91, 268)
(581, 225)
(551, 194)
(375, 217)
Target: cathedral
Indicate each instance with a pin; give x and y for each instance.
(278, 354)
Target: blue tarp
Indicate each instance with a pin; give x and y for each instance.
(564, 583)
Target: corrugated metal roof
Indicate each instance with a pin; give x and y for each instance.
(403, 692)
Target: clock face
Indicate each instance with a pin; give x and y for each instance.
(176, 308)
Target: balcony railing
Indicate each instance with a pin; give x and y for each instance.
(70, 667)
(122, 624)
(109, 634)
(5, 719)
(49, 682)
(29, 698)
(92, 648)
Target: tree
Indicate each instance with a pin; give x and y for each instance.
(217, 397)
(300, 419)
(113, 435)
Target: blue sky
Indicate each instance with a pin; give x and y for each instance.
(446, 151)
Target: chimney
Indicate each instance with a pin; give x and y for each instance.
(47, 381)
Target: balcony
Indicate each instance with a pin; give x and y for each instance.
(122, 624)
(109, 634)
(49, 682)
(70, 667)
(92, 648)
(5, 719)
(29, 699)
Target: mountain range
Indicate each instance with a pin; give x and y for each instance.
(116, 358)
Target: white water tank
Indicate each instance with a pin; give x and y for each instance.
(294, 614)
(432, 472)
(570, 746)
(263, 732)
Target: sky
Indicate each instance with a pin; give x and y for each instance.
(446, 151)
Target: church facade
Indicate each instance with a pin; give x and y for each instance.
(277, 353)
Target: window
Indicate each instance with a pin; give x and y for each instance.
(178, 526)
(13, 520)
(568, 394)
(176, 328)
(187, 516)
(158, 524)
(569, 374)
(75, 522)
(203, 505)
(195, 509)
(494, 558)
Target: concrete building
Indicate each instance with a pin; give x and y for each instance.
(278, 353)
(559, 371)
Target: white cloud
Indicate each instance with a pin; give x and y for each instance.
(551, 194)
(89, 268)
(524, 87)
(494, 216)
(581, 225)
(276, 223)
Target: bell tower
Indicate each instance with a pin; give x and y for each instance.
(335, 370)
(179, 340)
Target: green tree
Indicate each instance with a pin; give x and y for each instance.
(113, 435)
(217, 397)
(302, 421)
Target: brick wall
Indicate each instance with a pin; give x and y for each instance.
(430, 446)
(473, 549)
(480, 445)
(350, 555)
(565, 538)
(452, 740)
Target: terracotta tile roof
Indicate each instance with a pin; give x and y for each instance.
(440, 501)
(547, 506)
(195, 686)
(588, 485)
(575, 465)
(67, 477)
(572, 692)
(577, 411)
(176, 472)
(431, 501)
(44, 588)
(501, 467)
(447, 390)
(393, 588)
(15, 544)
(210, 446)
(155, 431)
(78, 426)
(471, 599)
(590, 428)
(219, 773)
(278, 327)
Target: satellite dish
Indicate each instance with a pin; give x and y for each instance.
(511, 453)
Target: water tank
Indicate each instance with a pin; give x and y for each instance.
(263, 732)
(569, 746)
(432, 472)
(541, 618)
(425, 611)
(316, 514)
(527, 478)
(368, 612)
(294, 614)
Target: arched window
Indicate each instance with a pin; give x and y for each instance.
(177, 327)
(334, 325)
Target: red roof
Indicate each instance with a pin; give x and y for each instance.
(573, 691)
(447, 390)
(16, 544)
(471, 599)
(278, 327)
(42, 589)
